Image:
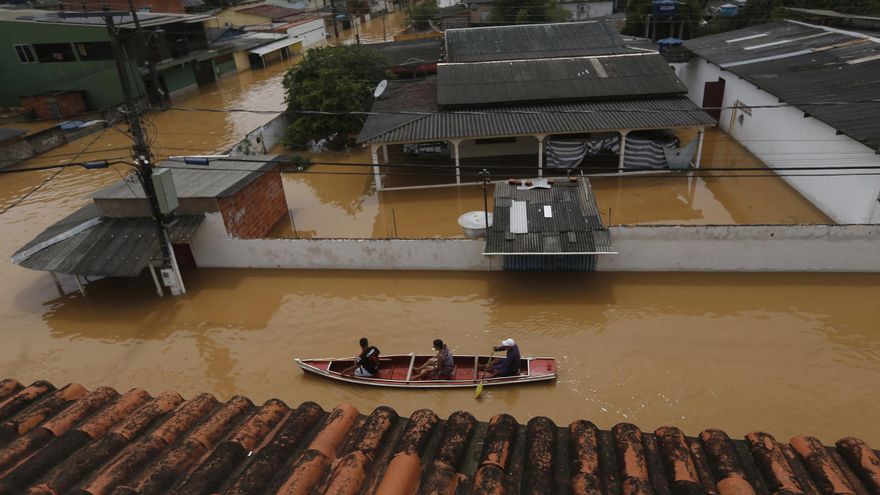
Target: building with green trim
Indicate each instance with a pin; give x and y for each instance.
(48, 52)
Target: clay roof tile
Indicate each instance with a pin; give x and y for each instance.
(8, 387)
(101, 444)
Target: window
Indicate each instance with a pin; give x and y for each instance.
(54, 52)
(25, 54)
(94, 51)
(503, 140)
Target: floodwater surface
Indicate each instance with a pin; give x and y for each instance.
(786, 353)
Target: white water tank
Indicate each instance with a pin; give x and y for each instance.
(474, 223)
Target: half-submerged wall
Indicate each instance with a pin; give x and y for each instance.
(744, 248)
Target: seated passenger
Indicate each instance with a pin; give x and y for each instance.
(366, 364)
(439, 367)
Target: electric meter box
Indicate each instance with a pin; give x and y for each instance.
(163, 183)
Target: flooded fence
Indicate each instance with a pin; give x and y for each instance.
(262, 139)
(746, 248)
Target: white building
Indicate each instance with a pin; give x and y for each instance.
(770, 82)
(588, 9)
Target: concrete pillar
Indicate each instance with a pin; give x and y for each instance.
(374, 153)
(385, 152)
(702, 132)
(455, 144)
(540, 139)
(622, 151)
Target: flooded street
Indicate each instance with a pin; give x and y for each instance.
(785, 353)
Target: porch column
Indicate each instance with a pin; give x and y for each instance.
(374, 153)
(622, 151)
(540, 138)
(702, 132)
(455, 144)
(385, 152)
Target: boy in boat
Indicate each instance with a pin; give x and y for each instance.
(509, 366)
(366, 364)
(439, 367)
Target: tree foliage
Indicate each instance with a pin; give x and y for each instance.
(419, 14)
(528, 11)
(331, 79)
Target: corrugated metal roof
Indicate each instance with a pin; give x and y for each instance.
(569, 227)
(7, 133)
(410, 52)
(653, 113)
(802, 65)
(219, 179)
(268, 11)
(72, 440)
(111, 247)
(526, 41)
(558, 79)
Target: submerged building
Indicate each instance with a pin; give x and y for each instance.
(534, 100)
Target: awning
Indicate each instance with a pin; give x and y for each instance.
(88, 244)
(276, 45)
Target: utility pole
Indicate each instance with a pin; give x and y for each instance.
(154, 77)
(141, 150)
(484, 174)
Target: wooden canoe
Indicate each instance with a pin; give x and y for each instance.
(397, 371)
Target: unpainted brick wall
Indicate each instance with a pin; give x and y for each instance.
(70, 104)
(256, 208)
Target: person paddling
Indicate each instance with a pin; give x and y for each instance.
(366, 364)
(439, 367)
(509, 366)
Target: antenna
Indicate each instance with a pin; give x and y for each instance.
(380, 88)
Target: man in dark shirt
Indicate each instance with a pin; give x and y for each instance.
(366, 364)
(509, 366)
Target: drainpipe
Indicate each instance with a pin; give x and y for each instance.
(375, 156)
(540, 138)
(622, 151)
(701, 132)
(455, 144)
(385, 152)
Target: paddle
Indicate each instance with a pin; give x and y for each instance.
(480, 385)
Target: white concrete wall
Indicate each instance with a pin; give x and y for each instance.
(524, 145)
(310, 33)
(587, 9)
(212, 247)
(783, 137)
(262, 139)
(746, 248)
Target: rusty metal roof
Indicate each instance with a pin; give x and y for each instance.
(527, 41)
(101, 442)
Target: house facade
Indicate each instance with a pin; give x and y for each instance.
(766, 85)
(52, 53)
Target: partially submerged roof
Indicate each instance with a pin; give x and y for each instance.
(95, 19)
(396, 122)
(87, 244)
(556, 79)
(72, 440)
(273, 12)
(560, 219)
(7, 133)
(525, 41)
(410, 53)
(805, 66)
(221, 178)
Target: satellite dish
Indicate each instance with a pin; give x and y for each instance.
(380, 88)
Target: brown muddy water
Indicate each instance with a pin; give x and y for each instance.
(787, 353)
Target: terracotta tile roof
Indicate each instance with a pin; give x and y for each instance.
(101, 442)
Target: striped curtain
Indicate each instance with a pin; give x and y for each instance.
(567, 154)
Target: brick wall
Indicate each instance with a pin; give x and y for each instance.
(255, 209)
(69, 104)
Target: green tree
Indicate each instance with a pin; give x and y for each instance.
(419, 14)
(331, 79)
(528, 11)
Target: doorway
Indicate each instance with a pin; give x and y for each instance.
(713, 98)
